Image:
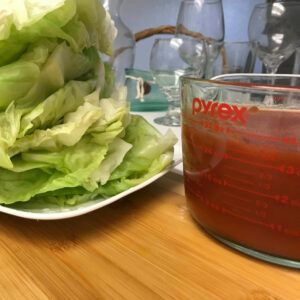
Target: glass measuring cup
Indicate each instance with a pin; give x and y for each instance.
(241, 155)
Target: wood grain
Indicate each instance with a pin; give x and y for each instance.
(146, 246)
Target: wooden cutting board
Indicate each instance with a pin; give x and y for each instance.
(145, 246)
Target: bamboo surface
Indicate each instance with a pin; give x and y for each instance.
(145, 246)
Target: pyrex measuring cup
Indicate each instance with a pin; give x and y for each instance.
(241, 154)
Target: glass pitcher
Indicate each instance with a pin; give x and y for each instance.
(241, 155)
(124, 44)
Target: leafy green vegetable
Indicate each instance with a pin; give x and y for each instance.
(24, 24)
(27, 12)
(22, 186)
(148, 144)
(61, 66)
(9, 129)
(52, 110)
(66, 135)
(115, 156)
(110, 177)
(16, 80)
(97, 23)
(150, 154)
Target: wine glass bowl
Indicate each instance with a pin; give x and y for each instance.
(167, 67)
(237, 57)
(200, 20)
(193, 52)
(273, 33)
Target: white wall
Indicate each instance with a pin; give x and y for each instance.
(142, 14)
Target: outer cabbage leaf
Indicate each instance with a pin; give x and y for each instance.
(114, 109)
(150, 154)
(98, 23)
(77, 30)
(56, 199)
(59, 143)
(9, 128)
(22, 186)
(120, 185)
(51, 111)
(24, 13)
(39, 52)
(66, 134)
(25, 22)
(61, 66)
(53, 196)
(148, 145)
(16, 80)
(42, 70)
(116, 153)
(67, 160)
(18, 41)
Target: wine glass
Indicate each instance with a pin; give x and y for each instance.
(201, 20)
(296, 69)
(236, 57)
(167, 67)
(273, 32)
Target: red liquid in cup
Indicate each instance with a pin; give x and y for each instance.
(242, 178)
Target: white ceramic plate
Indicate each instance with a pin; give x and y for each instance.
(84, 208)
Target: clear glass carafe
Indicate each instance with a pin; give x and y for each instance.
(241, 157)
(124, 44)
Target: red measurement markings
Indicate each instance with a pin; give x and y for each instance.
(208, 150)
(285, 169)
(214, 179)
(270, 154)
(271, 226)
(237, 209)
(256, 193)
(258, 208)
(241, 171)
(221, 181)
(281, 199)
(237, 205)
(255, 214)
(207, 124)
(261, 185)
(236, 197)
(213, 125)
(244, 181)
(265, 176)
(262, 214)
(286, 140)
(289, 170)
(261, 204)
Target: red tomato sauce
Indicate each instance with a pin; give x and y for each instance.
(242, 180)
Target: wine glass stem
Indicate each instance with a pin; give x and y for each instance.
(173, 105)
(172, 117)
(272, 69)
(209, 70)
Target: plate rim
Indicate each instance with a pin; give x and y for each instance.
(49, 216)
